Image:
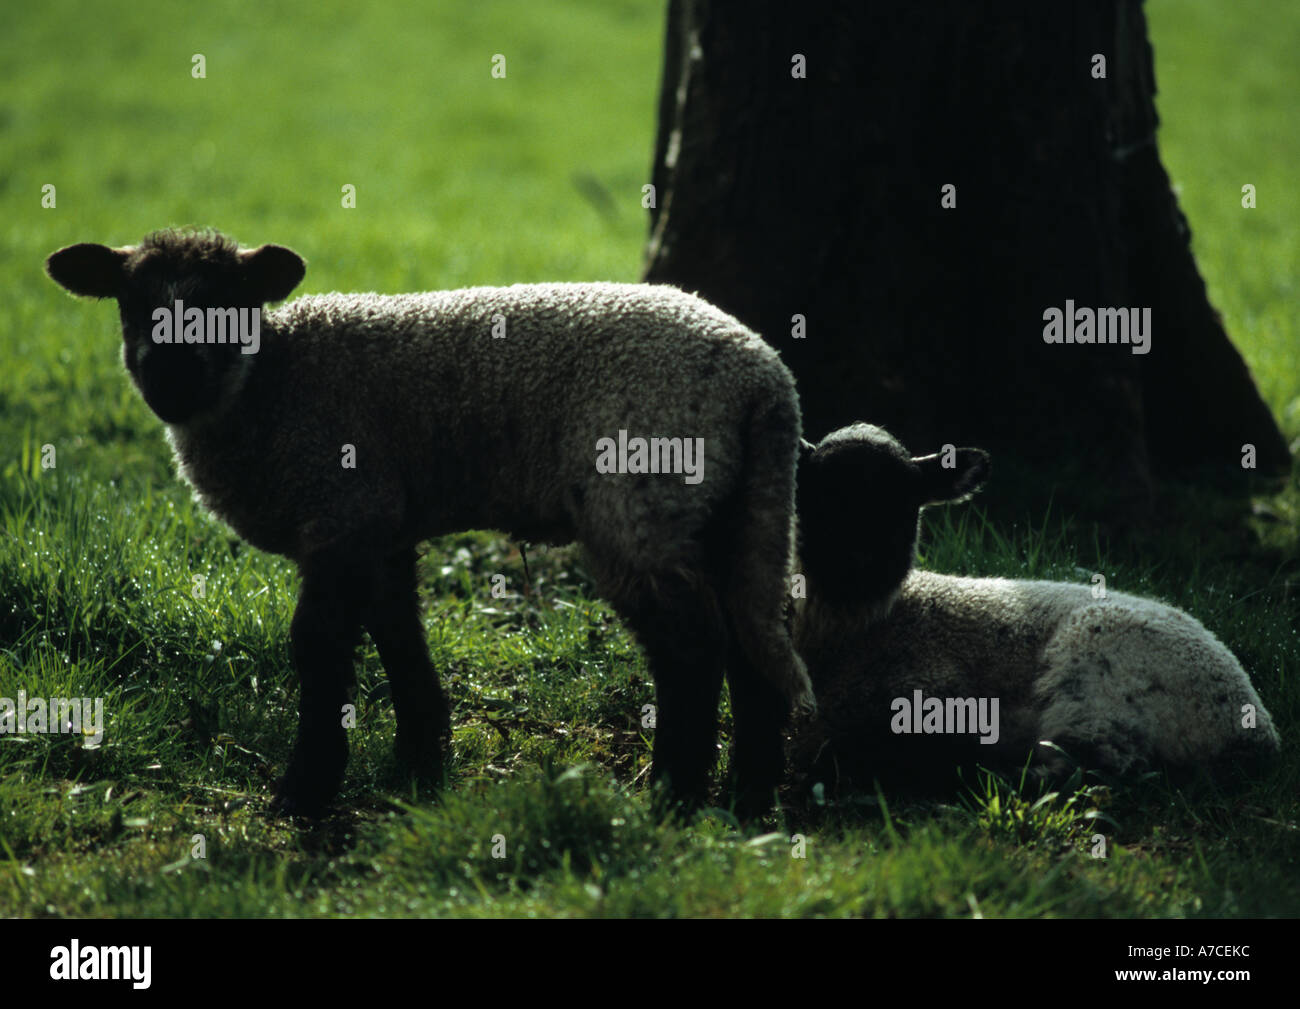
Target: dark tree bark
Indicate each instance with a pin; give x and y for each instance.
(779, 196)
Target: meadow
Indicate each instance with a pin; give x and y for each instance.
(462, 178)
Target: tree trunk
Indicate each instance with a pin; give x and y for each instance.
(780, 196)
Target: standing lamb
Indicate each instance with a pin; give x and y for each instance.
(342, 429)
(917, 672)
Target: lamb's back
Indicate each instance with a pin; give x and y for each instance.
(945, 636)
(478, 407)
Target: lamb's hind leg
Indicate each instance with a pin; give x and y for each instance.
(759, 713)
(678, 621)
(767, 677)
(325, 630)
(393, 620)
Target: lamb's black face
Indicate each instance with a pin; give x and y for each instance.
(182, 375)
(860, 496)
(180, 380)
(858, 512)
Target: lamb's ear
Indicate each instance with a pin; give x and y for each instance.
(965, 472)
(88, 269)
(273, 271)
(806, 450)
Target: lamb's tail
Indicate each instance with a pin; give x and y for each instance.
(763, 545)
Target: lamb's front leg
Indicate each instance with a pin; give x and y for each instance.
(325, 630)
(393, 620)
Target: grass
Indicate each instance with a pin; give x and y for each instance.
(114, 585)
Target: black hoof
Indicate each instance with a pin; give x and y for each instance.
(303, 793)
(424, 757)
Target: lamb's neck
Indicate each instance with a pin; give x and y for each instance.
(821, 620)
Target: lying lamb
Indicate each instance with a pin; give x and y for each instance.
(342, 429)
(917, 672)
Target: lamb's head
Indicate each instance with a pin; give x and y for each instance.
(860, 496)
(183, 363)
